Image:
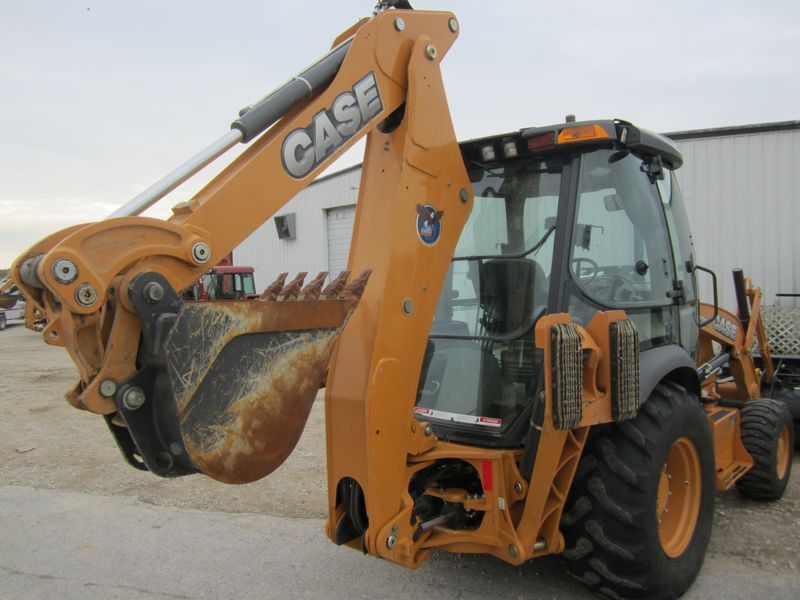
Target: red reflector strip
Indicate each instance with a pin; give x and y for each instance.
(488, 483)
(541, 141)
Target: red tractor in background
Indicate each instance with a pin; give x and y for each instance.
(224, 282)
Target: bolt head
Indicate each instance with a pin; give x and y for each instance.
(518, 487)
(512, 551)
(133, 398)
(153, 292)
(86, 295)
(430, 51)
(428, 430)
(399, 24)
(453, 24)
(463, 195)
(108, 388)
(408, 306)
(65, 271)
(391, 541)
(201, 253)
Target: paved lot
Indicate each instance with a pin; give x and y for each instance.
(60, 544)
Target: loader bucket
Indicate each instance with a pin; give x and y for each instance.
(242, 378)
(9, 295)
(8, 301)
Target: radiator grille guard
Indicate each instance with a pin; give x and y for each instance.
(567, 375)
(624, 370)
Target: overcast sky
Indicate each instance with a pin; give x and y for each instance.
(99, 100)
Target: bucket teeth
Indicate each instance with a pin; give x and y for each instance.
(338, 288)
(356, 287)
(314, 287)
(273, 289)
(292, 290)
(335, 287)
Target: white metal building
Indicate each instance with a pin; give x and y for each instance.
(324, 213)
(743, 199)
(740, 186)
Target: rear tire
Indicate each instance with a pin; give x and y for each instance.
(621, 538)
(767, 434)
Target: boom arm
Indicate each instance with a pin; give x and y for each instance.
(163, 373)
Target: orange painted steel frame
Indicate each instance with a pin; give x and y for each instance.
(732, 459)
(372, 436)
(521, 518)
(746, 384)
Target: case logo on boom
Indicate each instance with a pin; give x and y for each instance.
(306, 147)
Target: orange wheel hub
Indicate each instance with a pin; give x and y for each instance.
(783, 453)
(679, 491)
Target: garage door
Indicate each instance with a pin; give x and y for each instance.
(340, 231)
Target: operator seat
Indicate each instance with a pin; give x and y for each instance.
(513, 292)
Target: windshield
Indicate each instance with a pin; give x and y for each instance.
(620, 254)
(481, 365)
(248, 283)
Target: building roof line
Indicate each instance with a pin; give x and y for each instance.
(691, 134)
(344, 171)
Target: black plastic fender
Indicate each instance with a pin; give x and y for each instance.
(670, 362)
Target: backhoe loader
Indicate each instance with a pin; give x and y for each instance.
(521, 368)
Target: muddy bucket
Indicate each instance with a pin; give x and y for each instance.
(233, 382)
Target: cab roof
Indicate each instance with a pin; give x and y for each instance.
(569, 135)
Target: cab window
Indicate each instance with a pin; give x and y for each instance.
(620, 250)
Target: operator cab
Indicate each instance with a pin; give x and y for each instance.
(576, 217)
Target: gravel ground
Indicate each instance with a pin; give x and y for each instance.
(45, 443)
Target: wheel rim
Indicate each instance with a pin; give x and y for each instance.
(783, 453)
(679, 491)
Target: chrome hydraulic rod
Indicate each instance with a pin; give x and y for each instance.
(252, 121)
(172, 180)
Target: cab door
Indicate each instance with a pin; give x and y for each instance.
(683, 251)
(619, 252)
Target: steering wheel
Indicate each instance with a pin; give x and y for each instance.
(590, 262)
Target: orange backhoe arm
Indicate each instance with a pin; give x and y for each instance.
(107, 291)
